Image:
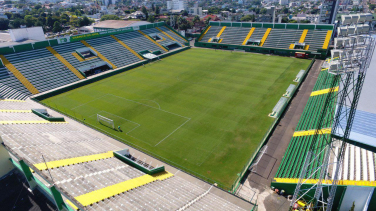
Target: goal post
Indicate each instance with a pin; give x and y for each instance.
(105, 121)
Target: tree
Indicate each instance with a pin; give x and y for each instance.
(50, 21)
(9, 15)
(109, 17)
(184, 13)
(85, 21)
(292, 21)
(64, 18)
(248, 18)
(29, 20)
(73, 21)
(77, 12)
(18, 22)
(38, 6)
(145, 11)
(285, 10)
(263, 11)
(157, 10)
(151, 19)
(196, 19)
(207, 20)
(4, 24)
(57, 27)
(152, 7)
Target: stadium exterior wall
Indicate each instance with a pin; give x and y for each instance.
(236, 184)
(273, 25)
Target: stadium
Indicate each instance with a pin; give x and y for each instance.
(139, 118)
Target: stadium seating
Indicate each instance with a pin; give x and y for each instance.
(172, 34)
(85, 168)
(51, 72)
(113, 51)
(293, 160)
(138, 42)
(282, 38)
(278, 38)
(7, 92)
(39, 70)
(213, 31)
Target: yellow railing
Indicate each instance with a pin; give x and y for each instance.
(65, 62)
(265, 36)
(99, 54)
(153, 40)
(127, 47)
(248, 36)
(19, 75)
(327, 39)
(203, 34)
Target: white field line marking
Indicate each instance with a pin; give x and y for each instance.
(151, 106)
(172, 132)
(88, 102)
(157, 109)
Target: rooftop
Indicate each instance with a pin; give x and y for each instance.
(117, 24)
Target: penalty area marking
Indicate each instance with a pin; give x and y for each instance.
(187, 118)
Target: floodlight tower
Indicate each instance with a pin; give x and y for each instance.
(319, 177)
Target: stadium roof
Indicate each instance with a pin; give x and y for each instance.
(117, 24)
(363, 129)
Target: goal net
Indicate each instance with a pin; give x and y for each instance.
(105, 121)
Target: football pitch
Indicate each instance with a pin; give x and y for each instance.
(201, 110)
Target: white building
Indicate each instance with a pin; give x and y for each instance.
(177, 5)
(196, 10)
(283, 2)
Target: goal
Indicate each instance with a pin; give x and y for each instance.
(105, 121)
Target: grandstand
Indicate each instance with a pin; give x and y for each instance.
(80, 170)
(42, 66)
(285, 39)
(358, 168)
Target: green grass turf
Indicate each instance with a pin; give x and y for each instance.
(202, 110)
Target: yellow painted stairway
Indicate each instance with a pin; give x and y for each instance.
(65, 62)
(304, 34)
(167, 35)
(127, 47)
(327, 39)
(248, 36)
(265, 36)
(99, 54)
(149, 38)
(19, 75)
(203, 34)
(112, 190)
